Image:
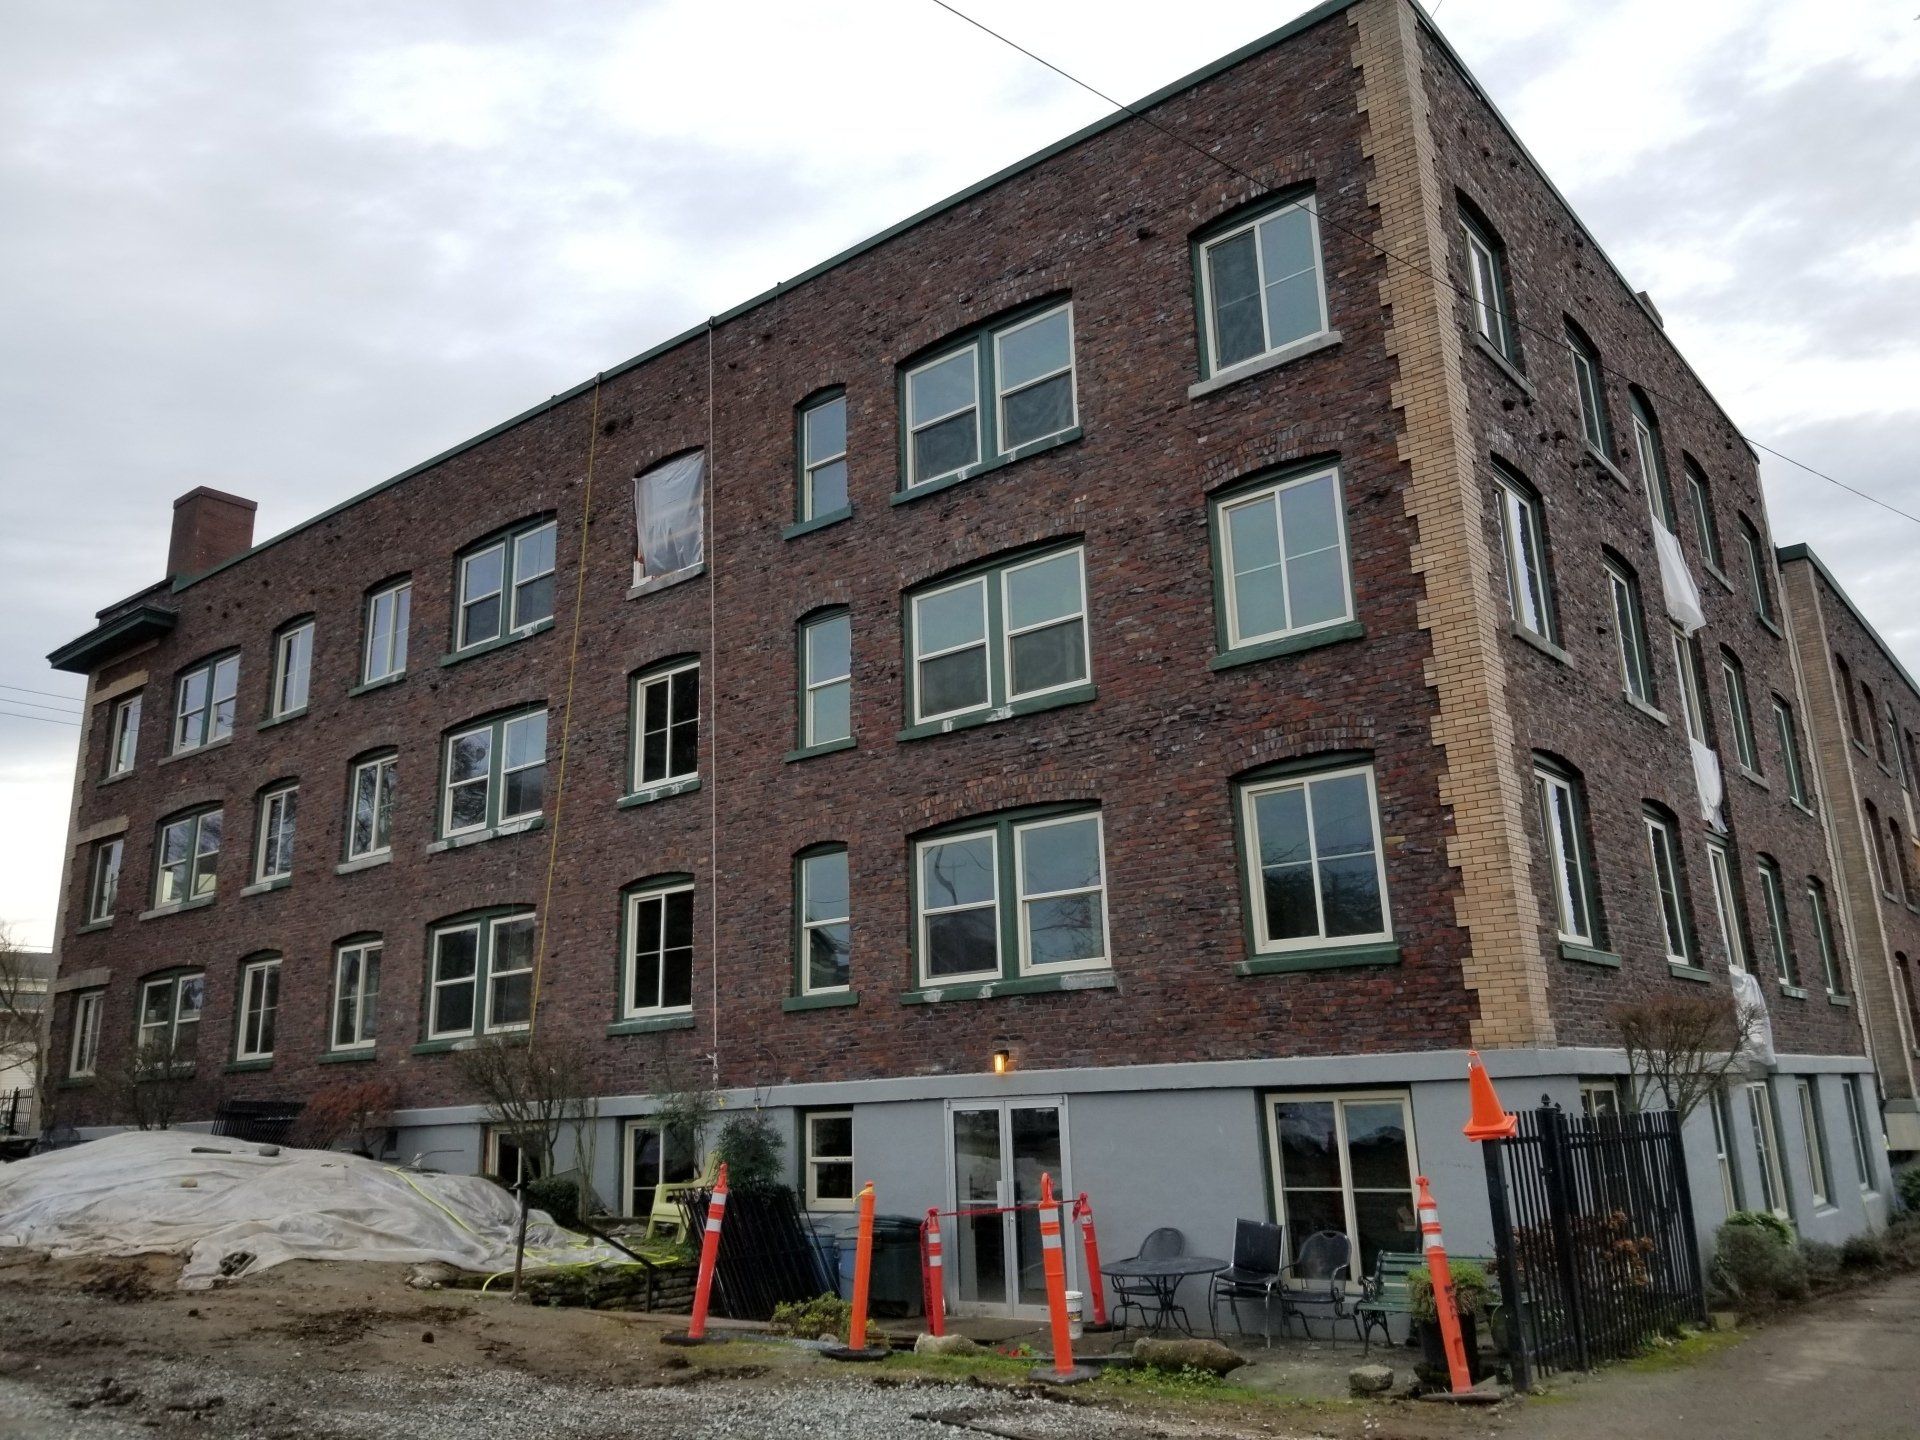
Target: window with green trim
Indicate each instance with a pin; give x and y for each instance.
(273, 848)
(187, 858)
(1523, 533)
(370, 806)
(823, 898)
(389, 610)
(1704, 528)
(103, 879)
(657, 968)
(1813, 1133)
(1261, 287)
(1592, 395)
(1489, 298)
(1653, 465)
(506, 585)
(1758, 577)
(1280, 552)
(496, 772)
(1011, 897)
(666, 725)
(1789, 750)
(124, 738)
(169, 1021)
(1773, 895)
(259, 1008)
(481, 976)
(1629, 630)
(292, 668)
(1850, 1088)
(1562, 800)
(669, 517)
(356, 994)
(204, 701)
(1015, 632)
(1734, 676)
(1823, 937)
(83, 1054)
(1024, 366)
(826, 1159)
(826, 679)
(1726, 902)
(1670, 884)
(1316, 873)
(823, 457)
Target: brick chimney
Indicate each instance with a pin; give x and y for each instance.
(209, 526)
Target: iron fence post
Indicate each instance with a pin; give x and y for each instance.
(1521, 1336)
(1689, 1238)
(1560, 1207)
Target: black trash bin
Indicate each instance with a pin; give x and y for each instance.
(894, 1287)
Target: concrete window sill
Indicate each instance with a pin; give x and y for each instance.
(1588, 955)
(818, 522)
(665, 790)
(196, 750)
(1539, 642)
(1504, 365)
(1020, 985)
(825, 1000)
(1261, 364)
(1618, 475)
(261, 887)
(653, 584)
(985, 467)
(364, 862)
(384, 682)
(807, 752)
(160, 911)
(651, 1024)
(1645, 709)
(1324, 957)
(1077, 695)
(273, 720)
(1288, 645)
(492, 832)
(499, 642)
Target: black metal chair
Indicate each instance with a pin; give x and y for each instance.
(1317, 1279)
(1254, 1274)
(1134, 1293)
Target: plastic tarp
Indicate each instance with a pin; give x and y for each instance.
(1706, 774)
(668, 516)
(1676, 582)
(146, 1193)
(1750, 994)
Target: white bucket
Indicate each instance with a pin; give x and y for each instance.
(1074, 1307)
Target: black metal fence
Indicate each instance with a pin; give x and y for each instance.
(767, 1255)
(1595, 1237)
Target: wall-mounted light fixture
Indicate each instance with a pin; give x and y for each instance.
(1003, 1062)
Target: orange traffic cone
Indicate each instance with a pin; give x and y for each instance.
(1489, 1121)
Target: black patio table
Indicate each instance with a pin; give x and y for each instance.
(1163, 1276)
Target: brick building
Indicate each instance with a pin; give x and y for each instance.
(1118, 628)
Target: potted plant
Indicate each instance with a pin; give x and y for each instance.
(1472, 1298)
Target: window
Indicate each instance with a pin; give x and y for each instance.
(273, 852)
(370, 816)
(1345, 1163)
(1726, 905)
(1843, 678)
(1823, 937)
(203, 705)
(823, 457)
(1261, 285)
(1873, 723)
(1857, 1131)
(292, 669)
(659, 958)
(259, 1003)
(83, 1056)
(1789, 751)
(1600, 1098)
(1281, 559)
(496, 773)
(1527, 585)
(1316, 873)
(388, 612)
(506, 586)
(1774, 892)
(1814, 1132)
(187, 859)
(1735, 678)
(1686, 665)
(1663, 847)
(1766, 1144)
(1586, 385)
(827, 1145)
(103, 880)
(123, 736)
(1026, 365)
(826, 680)
(513, 1157)
(669, 517)
(1491, 306)
(826, 926)
(1723, 1151)
(356, 994)
(1563, 822)
(1756, 553)
(1913, 760)
(1054, 869)
(482, 975)
(1877, 843)
(1890, 747)
(1629, 628)
(1702, 496)
(1902, 875)
(1653, 468)
(1017, 632)
(666, 730)
(655, 1156)
(170, 1009)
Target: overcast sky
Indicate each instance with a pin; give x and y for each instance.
(290, 247)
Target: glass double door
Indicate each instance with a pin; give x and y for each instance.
(999, 1149)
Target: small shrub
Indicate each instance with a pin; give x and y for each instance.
(1863, 1252)
(1907, 1185)
(1194, 1381)
(1762, 1220)
(1822, 1261)
(825, 1317)
(559, 1198)
(750, 1147)
(1754, 1268)
(1902, 1240)
(1472, 1291)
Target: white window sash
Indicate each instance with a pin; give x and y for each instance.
(1256, 882)
(1026, 899)
(254, 1010)
(484, 782)
(1009, 634)
(984, 644)
(1002, 393)
(84, 1055)
(1767, 1144)
(1270, 496)
(658, 946)
(273, 847)
(1666, 881)
(1632, 640)
(357, 996)
(667, 682)
(1810, 1127)
(811, 464)
(1311, 206)
(506, 770)
(1691, 710)
(1489, 317)
(1568, 870)
(815, 1158)
(925, 912)
(385, 654)
(813, 683)
(375, 776)
(1726, 905)
(1526, 559)
(125, 737)
(435, 1031)
(293, 670)
(469, 598)
(1345, 1186)
(1736, 688)
(520, 579)
(1586, 384)
(1651, 470)
(490, 970)
(915, 427)
(808, 926)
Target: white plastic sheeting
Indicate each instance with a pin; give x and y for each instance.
(1750, 994)
(1712, 786)
(669, 515)
(146, 1193)
(1676, 582)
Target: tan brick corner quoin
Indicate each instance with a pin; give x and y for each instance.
(1481, 784)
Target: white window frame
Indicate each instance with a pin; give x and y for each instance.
(527, 717)
(83, 1052)
(1757, 573)
(812, 684)
(259, 1010)
(631, 951)
(279, 806)
(923, 912)
(448, 784)
(221, 672)
(1008, 634)
(123, 742)
(809, 925)
(1307, 203)
(1522, 576)
(1555, 789)
(1025, 900)
(1601, 1097)
(1773, 894)
(103, 879)
(198, 858)
(1653, 470)
(1726, 904)
(385, 773)
(1586, 388)
(1823, 936)
(629, 1180)
(1692, 706)
(1255, 882)
(292, 669)
(1733, 678)
(518, 580)
(1814, 1137)
(361, 1000)
(1703, 520)
(914, 479)
(1071, 369)
(1723, 1153)
(984, 645)
(498, 770)
(384, 655)
(1766, 1144)
(1788, 730)
(997, 635)
(812, 1159)
(810, 465)
(486, 947)
(1630, 631)
(1340, 1099)
(1486, 289)
(464, 601)
(1850, 1086)
(641, 686)
(1663, 847)
(1229, 583)
(173, 1024)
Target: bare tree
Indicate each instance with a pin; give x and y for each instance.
(354, 1113)
(25, 989)
(1682, 1048)
(148, 1086)
(534, 1089)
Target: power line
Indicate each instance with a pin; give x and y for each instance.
(1373, 244)
(36, 705)
(72, 700)
(16, 715)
